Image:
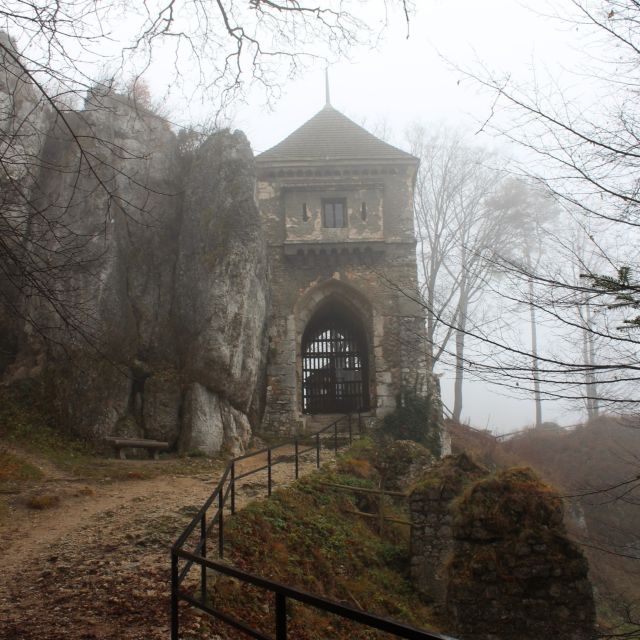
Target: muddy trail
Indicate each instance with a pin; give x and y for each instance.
(96, 565)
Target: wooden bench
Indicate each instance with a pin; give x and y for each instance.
(120, 444)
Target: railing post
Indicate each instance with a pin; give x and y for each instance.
(350, 431)
(318, 450)
(233, 487)
(295, 444)
(221, 523)
(335, 438)
(269, 471)
(175, 622)
(203, 553)
(281, 617)
(381, 508)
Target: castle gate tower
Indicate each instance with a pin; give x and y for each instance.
(345, 332)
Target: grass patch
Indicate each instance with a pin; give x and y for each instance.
(14, 469)
(304, 536)
(28, 421)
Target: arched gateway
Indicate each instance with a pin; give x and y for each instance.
(345, 333)
(335, 362)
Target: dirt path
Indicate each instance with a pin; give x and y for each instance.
(97, 565)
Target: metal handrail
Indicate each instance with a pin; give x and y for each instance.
(284, 592)
(225, 491)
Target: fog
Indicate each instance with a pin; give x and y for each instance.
(415, 72)
(420, 79)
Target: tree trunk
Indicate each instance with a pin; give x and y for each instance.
(461, 326)
(588, 350)
(534, 357)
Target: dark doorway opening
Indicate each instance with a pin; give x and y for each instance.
(335, 372)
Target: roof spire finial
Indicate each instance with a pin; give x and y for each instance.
(327, 95)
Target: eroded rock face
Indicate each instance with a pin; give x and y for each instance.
(24, 122)
(164, 286)
(203, 431)
(513, 573)
(220, 298)
(211, 424)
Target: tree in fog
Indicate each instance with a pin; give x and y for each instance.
(528, 210)
(62, 61)
(458, 229)
(587, 154)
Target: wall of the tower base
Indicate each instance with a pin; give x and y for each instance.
(381, 292)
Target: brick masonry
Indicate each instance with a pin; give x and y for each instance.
(368, 267)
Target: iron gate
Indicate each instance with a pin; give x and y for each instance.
(334, 367)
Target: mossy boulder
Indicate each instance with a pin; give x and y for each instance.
(417, 418)
(508, 503)
(402, 461)
(447, 478)
(513, 573)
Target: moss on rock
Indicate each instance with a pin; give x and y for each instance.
(513, 573)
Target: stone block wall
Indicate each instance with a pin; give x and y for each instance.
(369, 265)
(431, 511)
(491, 551)
(513, 572)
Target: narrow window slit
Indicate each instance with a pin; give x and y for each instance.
(305, 213)
(363, 211)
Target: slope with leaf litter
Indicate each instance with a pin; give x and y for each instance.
(305, 536)
(582, 463)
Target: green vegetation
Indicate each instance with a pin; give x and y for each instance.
(27, 420)
(29, 424)
(414, 420)
(306, 536)
(508, 502)
(14, 469)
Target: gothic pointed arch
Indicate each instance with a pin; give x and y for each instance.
(335, 355)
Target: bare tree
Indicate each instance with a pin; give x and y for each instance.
(528, 209)
(457, 230)
(61, 62)
(586, 154)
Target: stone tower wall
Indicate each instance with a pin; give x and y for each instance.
(370, 264)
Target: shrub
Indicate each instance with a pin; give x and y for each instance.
(415, 419)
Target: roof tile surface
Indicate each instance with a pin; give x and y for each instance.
(330, 135)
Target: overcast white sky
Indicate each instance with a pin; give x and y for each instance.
(404, 80)
(407, 79)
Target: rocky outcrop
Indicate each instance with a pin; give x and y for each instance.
(152, 314)
(513, 572)
(24, 122)
(211, 423)
(220, 295)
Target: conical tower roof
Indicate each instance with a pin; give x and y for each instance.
(330, 135)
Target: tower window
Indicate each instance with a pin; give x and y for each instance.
(363, 211)
(305, 212)
(334, 213)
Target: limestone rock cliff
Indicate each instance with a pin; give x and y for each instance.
(161, 277)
